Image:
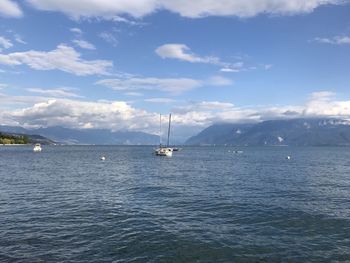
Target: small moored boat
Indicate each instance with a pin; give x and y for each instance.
(162, 150)
(37, 147)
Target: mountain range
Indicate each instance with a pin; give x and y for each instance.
(292, 132)
(87, 136)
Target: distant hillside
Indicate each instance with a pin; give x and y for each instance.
(295, 132)
(88, 136)
(19, 138)
(218, 134)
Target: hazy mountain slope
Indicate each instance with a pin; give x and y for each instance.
(218, 134)
(88, 136)
(298, 132)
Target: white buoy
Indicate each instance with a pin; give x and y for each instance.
(288, 157)
(103, 158)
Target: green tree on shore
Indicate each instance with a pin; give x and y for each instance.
(13, 139)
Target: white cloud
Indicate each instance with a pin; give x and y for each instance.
(76, 30)
(109, 38)
(84, 44)
(169, 85)
(337, 40)
(19, 39)
(240, 66)
(219, 81)
(114, 115)
(214, 105)
(62, 58)
(160, 100)
(243, 8)
(5, 43)
(236, 67)
(194, 9)
(97, 8)
(183, 52)
(200, 106)
(229, 70)
(324, 104)
(10, 9)
(59, 92)
(322, 96)
(134, 94)
(129, 22)
(205, 113)
(18, 101)
(187, 119)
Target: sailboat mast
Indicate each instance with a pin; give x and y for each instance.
(169, 130)
(160, 130)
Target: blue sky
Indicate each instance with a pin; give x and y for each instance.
(118, 64)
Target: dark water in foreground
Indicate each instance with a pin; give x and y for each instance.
(201, 205)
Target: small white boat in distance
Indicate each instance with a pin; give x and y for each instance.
(37, 147)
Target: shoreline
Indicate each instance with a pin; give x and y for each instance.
(15, 144)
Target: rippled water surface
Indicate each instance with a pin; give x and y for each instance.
(201, 205)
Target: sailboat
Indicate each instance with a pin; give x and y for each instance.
(37, 147)
(164, 151)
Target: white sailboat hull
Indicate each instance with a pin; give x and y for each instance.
(37, 148)
(168, 152)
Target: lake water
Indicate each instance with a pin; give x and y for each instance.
(205, 204)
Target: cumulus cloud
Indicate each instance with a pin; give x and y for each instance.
(84, 44)
(5, 43)
(183, 52)
(114, 115)
(7, 101)
(62, 58)
(324, 104)
(168, 85)
(337, 40)
(97, 8)
(10, 9)
(243, 8)
(193, 9)
(205, 113)
(191, 116)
